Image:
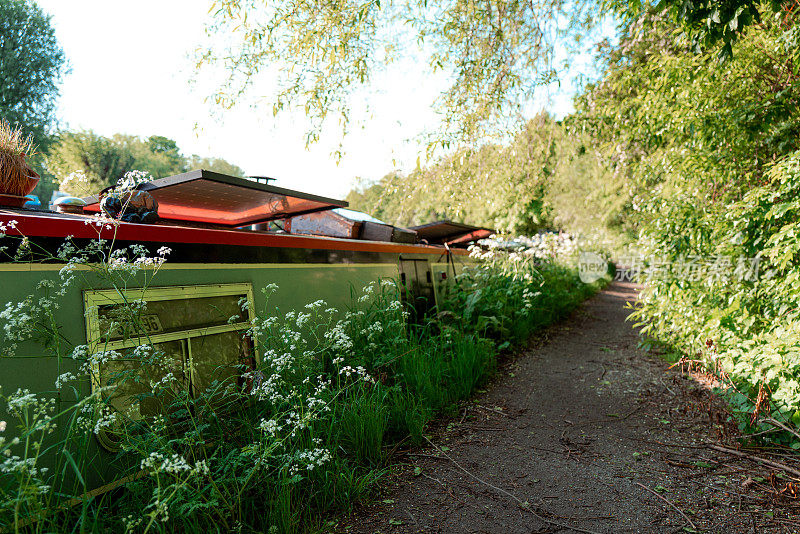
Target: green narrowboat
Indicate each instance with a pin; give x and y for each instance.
(211, 230)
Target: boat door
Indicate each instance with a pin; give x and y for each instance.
(417, 281)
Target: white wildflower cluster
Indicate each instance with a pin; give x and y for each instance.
(357, 372)
(21, 400)
(35, 412)
(269, 289)
(302, 406)
(270, 389)
(166, 381)
(279, 362)
(107, 419)
(296, 421)
(100, 358)
(5, 227)
(395, 305)
(269, 426)
(100, 222)
(529, 297)
(79, 352)
(338, 338)
(542, 246)
(368, 295)
(310, 459)
(143, 352)
(314, 401)
(13, 464)
(64, 378)
(19, 322)
(302, 319)
(263, 326)
(67, 252)
(29, 406)
(316, 305)
(87, 410)
(76, 180)
(373, 330)
(132, 179)
(136, 257)
(173, 465)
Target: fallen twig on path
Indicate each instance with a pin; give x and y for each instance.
(682, 464)
(776, 465)
(775, 422)
(656, 442)
(523, 504)
(425, 455)
(729, 491)
(491, 410)
(686, 517)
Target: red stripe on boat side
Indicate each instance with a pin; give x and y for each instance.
(54, 226)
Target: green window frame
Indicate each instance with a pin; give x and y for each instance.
(179, 345)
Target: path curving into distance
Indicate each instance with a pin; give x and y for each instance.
(583, 432)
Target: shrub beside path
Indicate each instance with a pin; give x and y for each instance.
(586, 432)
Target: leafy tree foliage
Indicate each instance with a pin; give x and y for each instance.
(546, 177)
(157, 155)
(102, 160)
(496, 53)
(213, 164)
(31, 66)
(697, 159)
(710, 22)
(709, 153)
(495, 185)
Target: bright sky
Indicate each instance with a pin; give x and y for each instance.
(131, 65)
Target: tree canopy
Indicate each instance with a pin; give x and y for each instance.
(32, 64)
(495, 54)
(84, 162)
(707, 23)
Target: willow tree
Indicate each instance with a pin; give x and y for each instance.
(494, 54)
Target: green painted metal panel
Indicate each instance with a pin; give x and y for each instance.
(33, 367)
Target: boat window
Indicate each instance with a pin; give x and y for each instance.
(186, 342)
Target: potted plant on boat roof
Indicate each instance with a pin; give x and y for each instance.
(17, 178)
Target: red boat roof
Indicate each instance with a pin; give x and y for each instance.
(49, 224)
(451, 232)
(210, 197)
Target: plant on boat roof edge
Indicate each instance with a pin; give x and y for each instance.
(17, 178)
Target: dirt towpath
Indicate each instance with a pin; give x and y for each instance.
(584, 432)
